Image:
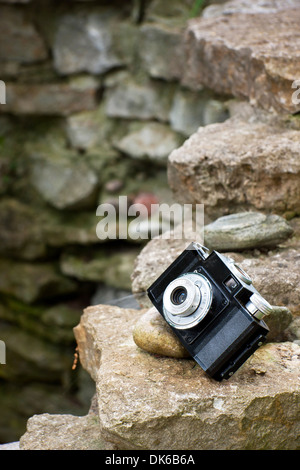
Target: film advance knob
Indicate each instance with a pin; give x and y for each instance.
(258, 306)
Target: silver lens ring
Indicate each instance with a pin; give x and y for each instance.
(240, 273)
(191, 301)
(186, 311)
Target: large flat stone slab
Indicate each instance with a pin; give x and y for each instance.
(252, 56)
(238, 165)
(153, 402)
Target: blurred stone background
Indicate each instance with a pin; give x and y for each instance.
(94, 106)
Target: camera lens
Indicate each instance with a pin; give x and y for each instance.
(187, 300)
(179, 295)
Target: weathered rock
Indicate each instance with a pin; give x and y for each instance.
(146, 402)
(100, 266)
(214, 111)
(248, 6)
(20, 236)
(62, 432)
(84, 43)
(246, 230)
(192, 109)
(20, 401)
(153, 141)
(278, 322)
(152, 334)
(10, 446)
(112, 296)
(132, 100)
(250, 67)
(61, 98)
(157, 42)
(27, 231)
(62, 229)
(64, 183)
(187, 111)
(293, 331)
(19, 39)
(276, 277)
(30, 282)
(52, 324)
(238, 165)
(30, 358)
(88, 129)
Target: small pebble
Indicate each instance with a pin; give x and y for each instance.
(152, 334)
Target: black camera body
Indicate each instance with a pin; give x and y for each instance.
(213, 308)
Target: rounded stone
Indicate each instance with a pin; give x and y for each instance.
(246, 230)
(152, 334)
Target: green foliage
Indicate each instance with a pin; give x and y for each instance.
(197, 7)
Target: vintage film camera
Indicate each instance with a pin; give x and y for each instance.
(213, 308)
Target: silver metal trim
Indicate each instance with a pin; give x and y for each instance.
(240, 273)
(196, 305)
(258, 306)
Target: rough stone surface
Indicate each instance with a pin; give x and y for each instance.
(10, 446)
(84, 43)
(249, 6)
(186, 114)
(133, 100)
(52, 324)
(159, 41)
(246, 230)
(31, 359)
(153, 141)
(60, 98)
(279, 322)
(20, 41)
(293, 331)
(152, 334)
(88, 129)
(62, 183)
(113, 268)
(62, 432)
(266, 69)
(149, 402)
(34, 281)
(191, 109)
(19, 235)
(276, 277)
(214, 111)
(238, 165)
(66, 229)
